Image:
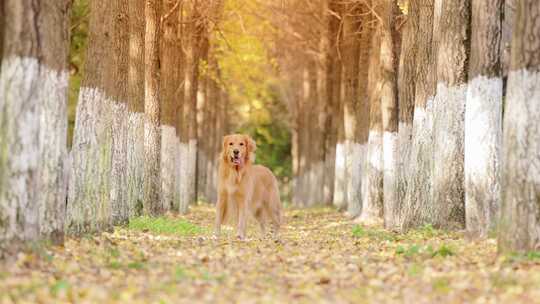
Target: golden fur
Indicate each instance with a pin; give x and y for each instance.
(245, 189)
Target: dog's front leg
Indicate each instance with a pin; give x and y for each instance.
(242, 218)
(220, 212)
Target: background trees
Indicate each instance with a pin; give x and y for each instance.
(386, 109)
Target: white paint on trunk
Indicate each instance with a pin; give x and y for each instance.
(372, 188)
(391, 204)
(120, 210)
(405, 135)
(169, 150)
(52, 190)
(33, 126)
(89, 208)
(135, 161)
(483, 140)
(317, 180)
(189, 163)
(340, 182)
(417, 206)
(355, 162)
(448, 157)
(152, 167)
(178, 175)
(520, 221)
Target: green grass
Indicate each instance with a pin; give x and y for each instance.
(163, 225)
(373, 234)
(425, 251)
(531, 256)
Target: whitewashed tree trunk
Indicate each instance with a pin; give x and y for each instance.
(135, 163)
(372, 179)
(89, 209)
(33, 122)
(406, 86)
(520, 220)
(417, 208)
(152, 110)
(389, 109)
(483, 119)
(340, 180)
(169, 150)
(449, 106)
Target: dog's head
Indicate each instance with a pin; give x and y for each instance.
(238, 149)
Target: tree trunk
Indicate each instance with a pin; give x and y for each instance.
(116, 88)
(135, 137)
(448, 193)
(189, 139)
(406, 91)
(332, 99)
(89, 206)
(316, 173)
(351, 56)
(214, 146)
(33, 121)
(359, 153)
(520, 221)
(483, 119)
(169, 64)
(417, 205)
(180, 94)
(389, 103)
(372, 182)
(340, 178)
(202, 120)
(152, 110)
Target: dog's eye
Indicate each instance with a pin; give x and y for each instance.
(241, 144)
(230, 144)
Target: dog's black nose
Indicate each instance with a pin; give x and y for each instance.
(236, 152)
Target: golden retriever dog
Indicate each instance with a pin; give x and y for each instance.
(244, 189)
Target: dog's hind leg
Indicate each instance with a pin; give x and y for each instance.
(274, 211)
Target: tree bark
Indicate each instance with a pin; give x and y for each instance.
(406, 91)
(135, 137)
(332, 98)
(351, 56)
(417, 204)
(363, 110)
(389, 103)
(483, 119)
(316, 174)
(372, 182)
(169, 62)
(520, 220)
(116, 88)
(89, 206)
(448, 193)
(152, 109)
(189, 139)
(33, 120)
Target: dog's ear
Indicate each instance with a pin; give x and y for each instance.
(224, 148)
(251, 147)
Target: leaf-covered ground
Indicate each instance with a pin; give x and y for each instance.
(322, 257)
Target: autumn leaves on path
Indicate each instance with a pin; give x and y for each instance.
(322, 257)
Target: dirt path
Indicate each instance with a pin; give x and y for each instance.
(322, 258)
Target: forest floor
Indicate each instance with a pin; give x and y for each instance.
(321, 257)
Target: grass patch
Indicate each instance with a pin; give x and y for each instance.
(531, 256)
(59, 286)
(373, 234)
(163, 225)
(425, 251)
